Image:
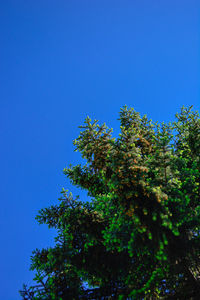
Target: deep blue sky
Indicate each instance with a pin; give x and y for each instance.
(61, 61)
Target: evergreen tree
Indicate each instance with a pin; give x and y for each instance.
(139, 235)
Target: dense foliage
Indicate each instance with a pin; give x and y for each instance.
(139, 235)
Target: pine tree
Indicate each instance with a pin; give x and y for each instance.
(139, 235)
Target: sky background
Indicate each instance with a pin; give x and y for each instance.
(61, 61)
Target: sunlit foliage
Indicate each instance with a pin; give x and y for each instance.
(138, 236)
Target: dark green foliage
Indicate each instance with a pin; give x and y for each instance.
(138, 237)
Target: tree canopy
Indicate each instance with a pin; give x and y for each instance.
(138, 237)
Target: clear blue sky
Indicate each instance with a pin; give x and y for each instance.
(61, 61)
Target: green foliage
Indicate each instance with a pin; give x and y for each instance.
(138, 236)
